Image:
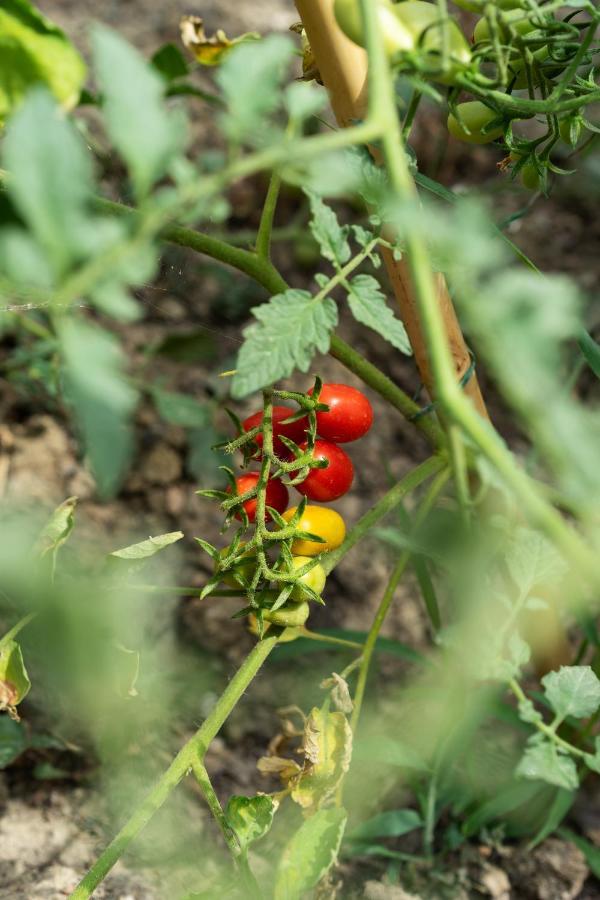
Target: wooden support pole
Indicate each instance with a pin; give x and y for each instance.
(343, 69)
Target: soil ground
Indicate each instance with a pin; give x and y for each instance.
(50, 829)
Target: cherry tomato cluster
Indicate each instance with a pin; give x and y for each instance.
(514, 47)
(304, 446)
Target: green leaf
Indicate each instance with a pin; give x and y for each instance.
(180, 409)
(145, 132)
(560, 806)
(572, 691)
(14, 680)
(591, 351)
(34, 51)
(590, 851)
(291, 328)
(101, 397)
(249, 78)
(368, 305)
(542, 762)
(145, 549)
(12, 740)
(499, 806)
(58, 528)
(394, 823)
(50, 183)
(331, 237)
(250, 817)
(310, 854)
(303, 99)
(170, 62)
(533, 560)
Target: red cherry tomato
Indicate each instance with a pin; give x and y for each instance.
(332, 482)
(276, 495)
(293, 430)
(350, 414)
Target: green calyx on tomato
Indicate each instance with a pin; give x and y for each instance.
(570, 129)
(314, 579)
(290, 615)
(332, 481)
(240, 567)
(276, 494)
(470, 124)
(412, 27)
(528, 170)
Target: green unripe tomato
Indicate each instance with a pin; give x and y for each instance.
(517, 19)
(478, 5)
(570, 129)
(530, 177)
(290, 615)
(315, 578)
(422, 20)
(395, 35)
(473, 117)
(407, 27)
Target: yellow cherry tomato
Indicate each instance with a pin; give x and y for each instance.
(319, 520)
(315, 578)
(290, 615)
(474, 116)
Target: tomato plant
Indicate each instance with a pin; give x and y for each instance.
(490, 723)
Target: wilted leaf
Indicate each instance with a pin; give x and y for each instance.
(58, 529)
(250, 817)
(147, 548)
(310, 854)
(14, 680)
(209, 51)
(340, 692)
(327, 746)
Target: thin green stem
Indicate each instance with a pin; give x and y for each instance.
(545, 729)
(13, 632)
(238, 852)
(194, 749)
(264, 273)
(327, 639)
(388, 502)
(397, 573)
(455, 406)
(458, 458)
(265, 228)
(212, 801)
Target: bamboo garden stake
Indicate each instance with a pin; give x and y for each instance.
(343, 69)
